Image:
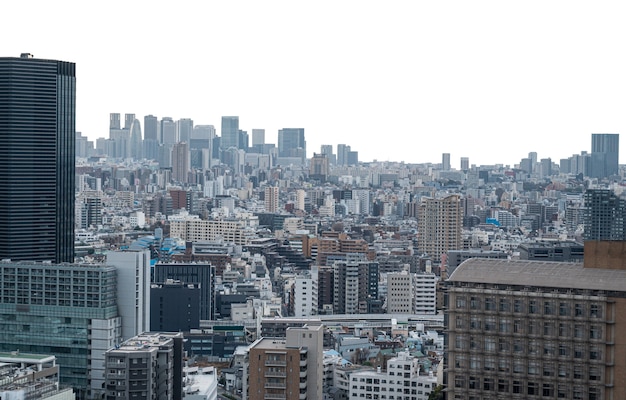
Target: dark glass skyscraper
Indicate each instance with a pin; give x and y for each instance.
(37, 128)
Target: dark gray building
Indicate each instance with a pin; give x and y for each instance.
(604, 215)
(37, 146)
(552, 251)
(174, 307)
(199, 274)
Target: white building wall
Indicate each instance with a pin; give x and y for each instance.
(133, 290)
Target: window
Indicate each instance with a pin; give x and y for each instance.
(517, 326)
(517, 387)
(473, 382)
(594, 311)
(505, 305)
(548, 308)
(475, 303)
(490, 304)
(563, 329)
(490, 324)
(532, 307)
(460, 302)
(548, 328)
(563, 309)
(518, 306)
(578, 310)
(503, 385)
(488, 384)
(533, 389)
(505, 326)
(459, 321)
(532, 368)
(548, 390)
(595, 332)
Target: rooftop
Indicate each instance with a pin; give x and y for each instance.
(540, 274)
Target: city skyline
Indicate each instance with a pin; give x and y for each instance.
(488, 81)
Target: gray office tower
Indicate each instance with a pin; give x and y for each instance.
(230, 133)
(37, 129)
(604, 155)
(291, 143)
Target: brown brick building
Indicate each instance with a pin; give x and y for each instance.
(530, 329)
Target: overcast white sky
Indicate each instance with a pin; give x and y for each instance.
(396, 80)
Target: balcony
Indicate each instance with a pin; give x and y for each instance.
(269, 363)
(275, 385)
(275, 396)
(279, 374)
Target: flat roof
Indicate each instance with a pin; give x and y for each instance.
(564, 275)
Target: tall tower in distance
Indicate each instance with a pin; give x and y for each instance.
(604, 155)
(230, 133)
(445, 161)
(37, 149)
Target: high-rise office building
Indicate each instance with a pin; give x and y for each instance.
(604, 215)
(439, 225)
(136, 143)
(37, 145)
(168, 131)
(604, 155)
(465, 163)
(184, 127)
(343, 151)
(258, 137)
(445, 161)
(230, 133)
(291, 143)
(180, 162)
(150, 137)
(328, 150)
